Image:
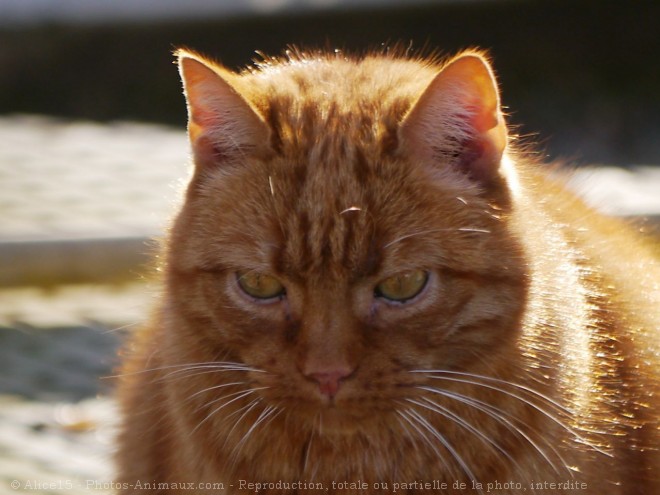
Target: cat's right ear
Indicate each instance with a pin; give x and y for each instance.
(458, 120)
(223, 127)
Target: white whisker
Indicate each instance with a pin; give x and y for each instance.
(215, 387)
(251, 390)
(502, 418)
(443, 411)
(423, 436)
(308, 447)
(268, 411)
(433, 431)
(248, 407)
(547, 414)
(496, 380)
(412, 437)
(240, 395)
(215, 367)
(220, 365)
(433, 231)
(189, 373)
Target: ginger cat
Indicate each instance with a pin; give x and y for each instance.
(369, 290)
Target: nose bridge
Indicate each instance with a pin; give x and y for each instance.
(328, 336)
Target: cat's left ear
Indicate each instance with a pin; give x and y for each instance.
(222, 125)
(458, 121)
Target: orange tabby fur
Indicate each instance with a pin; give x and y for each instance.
(531, 355)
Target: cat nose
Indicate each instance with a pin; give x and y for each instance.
(330, 381)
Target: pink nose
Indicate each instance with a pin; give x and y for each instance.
(329, 382)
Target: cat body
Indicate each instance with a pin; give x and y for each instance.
(369, 289)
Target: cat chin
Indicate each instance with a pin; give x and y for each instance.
(333, 421)
(338, 419)
(338, 425)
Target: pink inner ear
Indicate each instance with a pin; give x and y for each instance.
(222, 124)
(484, 119)
(471, 153)
(208, 153)
(457, 120)
(203, 117)
(480, 158)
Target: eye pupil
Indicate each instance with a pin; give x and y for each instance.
(402, 286)
(260, 285)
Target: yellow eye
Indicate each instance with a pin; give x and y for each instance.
(402, 286)
(260, 285)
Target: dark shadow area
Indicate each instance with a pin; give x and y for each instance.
(583, 75)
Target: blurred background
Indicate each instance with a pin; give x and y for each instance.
(93, 156)
(581, 73)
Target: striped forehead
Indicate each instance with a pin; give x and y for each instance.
(327, 214)
(328, 224)
(330, 160)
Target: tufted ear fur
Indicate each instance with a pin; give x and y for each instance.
(458, 121)
(222, 125)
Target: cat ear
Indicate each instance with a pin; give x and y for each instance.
(458, 120)
(222, 125)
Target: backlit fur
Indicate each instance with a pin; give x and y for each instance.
(530, 356)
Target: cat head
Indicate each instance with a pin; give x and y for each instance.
(345, 227)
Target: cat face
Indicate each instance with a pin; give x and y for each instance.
(337, 253)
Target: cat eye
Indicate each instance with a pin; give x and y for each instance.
(260, 285)
(402, 286)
